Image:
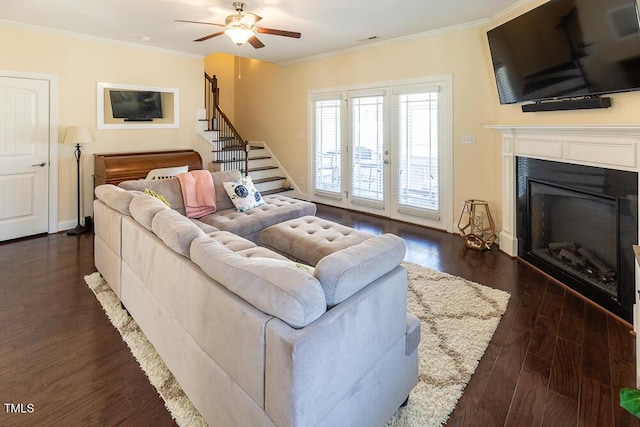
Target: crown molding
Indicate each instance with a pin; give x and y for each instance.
(78, 36)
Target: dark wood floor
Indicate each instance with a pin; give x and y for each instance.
(554, 360)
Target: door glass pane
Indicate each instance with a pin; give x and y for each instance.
(418, 151)
(327, 145)
(367, 147)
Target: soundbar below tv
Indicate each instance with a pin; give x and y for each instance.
(567, 49)
(587, 103)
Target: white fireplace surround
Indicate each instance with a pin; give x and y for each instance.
(607, 146)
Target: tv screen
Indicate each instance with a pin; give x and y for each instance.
(136, 105)
(567, 48)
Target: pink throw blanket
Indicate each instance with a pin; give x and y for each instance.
(198, 193)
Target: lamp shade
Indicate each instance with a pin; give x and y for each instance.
(78, 135)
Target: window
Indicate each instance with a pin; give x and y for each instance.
(387, 150)
(367, 145)
(327, 141)
(417, 145)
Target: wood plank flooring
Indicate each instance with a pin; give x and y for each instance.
(553, 361)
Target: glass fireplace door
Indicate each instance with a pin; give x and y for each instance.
(576, 232)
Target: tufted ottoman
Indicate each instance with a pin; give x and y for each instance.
(309, 239)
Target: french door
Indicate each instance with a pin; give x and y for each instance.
(385, 150)
(367, 152)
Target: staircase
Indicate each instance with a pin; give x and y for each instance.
(229, 151)
(266, 173)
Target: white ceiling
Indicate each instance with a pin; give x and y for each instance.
(326, 25)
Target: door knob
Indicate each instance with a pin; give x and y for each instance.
(42, 164)
(386, 162)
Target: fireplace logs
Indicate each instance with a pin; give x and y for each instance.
(579, 261)
(572, 257)
(603, 270)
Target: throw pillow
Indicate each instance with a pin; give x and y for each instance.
(243, 194)
(157, 196)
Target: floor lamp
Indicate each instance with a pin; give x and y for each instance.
(78, 135)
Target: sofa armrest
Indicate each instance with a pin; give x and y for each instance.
(309, 371)
(115, 197)
(345, 272)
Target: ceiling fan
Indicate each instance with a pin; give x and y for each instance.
(241, 28)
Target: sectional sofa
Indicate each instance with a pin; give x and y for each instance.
(254, 338)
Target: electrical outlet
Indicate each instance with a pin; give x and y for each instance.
(468, 139)
(301, 180)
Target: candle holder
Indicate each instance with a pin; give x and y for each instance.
(476, 225)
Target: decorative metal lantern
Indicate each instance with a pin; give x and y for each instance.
(476, 225)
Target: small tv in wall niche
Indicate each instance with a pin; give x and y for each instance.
(123, 106)
(566, 54)
(136, 105)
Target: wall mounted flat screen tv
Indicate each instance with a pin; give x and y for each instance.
(136, 105)
(567, 49)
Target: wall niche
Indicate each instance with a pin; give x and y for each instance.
(122, 106)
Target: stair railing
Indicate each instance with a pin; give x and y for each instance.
(230, 150)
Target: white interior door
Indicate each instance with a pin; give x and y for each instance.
(24, 157)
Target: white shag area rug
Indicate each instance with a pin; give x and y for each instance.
(458, 319)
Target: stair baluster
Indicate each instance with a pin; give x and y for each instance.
(230, 149)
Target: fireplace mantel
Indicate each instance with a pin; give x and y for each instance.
(612, 146)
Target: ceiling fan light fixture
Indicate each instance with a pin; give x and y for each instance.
(239, 34)
(241, 28)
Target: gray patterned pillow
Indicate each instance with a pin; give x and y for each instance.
(243, 193)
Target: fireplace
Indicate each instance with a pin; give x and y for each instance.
(578, 223)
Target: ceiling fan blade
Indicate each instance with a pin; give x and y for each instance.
(199, 22)
(284, 33)
(210, 36)
(253, 41)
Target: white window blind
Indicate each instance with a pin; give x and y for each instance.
(367, 139)
(418, 154)
(327, 134)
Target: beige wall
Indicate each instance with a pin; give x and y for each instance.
(79, 63)
(271, 103)
(222, 66)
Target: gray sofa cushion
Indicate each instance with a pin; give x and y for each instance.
(276, 209)
(290, 294)
(231, 241)
(114, 197)
(204, 227)
(222, 198)
(143, 208)
(168, 188)
(345, 272)
(260, 252)
(175, 230)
